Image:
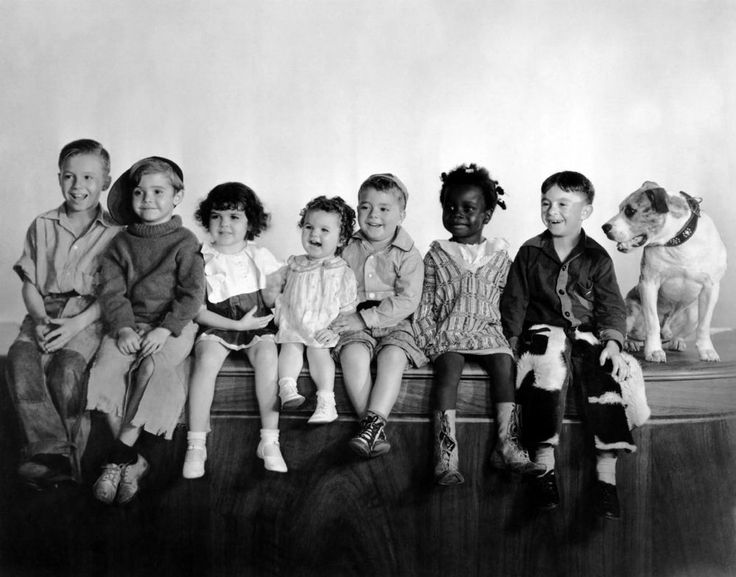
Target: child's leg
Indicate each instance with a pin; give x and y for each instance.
(291, 361)
(448, 368)
(264, 358)
(390, 364)
(355, 360)
(37, 416)
(209, 356)
(508, 452)
(322, 370)
(371, 440)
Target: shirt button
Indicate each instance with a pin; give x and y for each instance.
(562, 291)
(372, 295)
(564, 268)
(567, 313)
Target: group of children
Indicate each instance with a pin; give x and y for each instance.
(132, 293)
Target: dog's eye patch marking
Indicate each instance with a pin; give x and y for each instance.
(629, 211)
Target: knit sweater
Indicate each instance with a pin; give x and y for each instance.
(152, 274)
(459, 309)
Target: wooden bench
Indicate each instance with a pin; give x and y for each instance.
(335, 514)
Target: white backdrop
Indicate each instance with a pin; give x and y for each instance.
(301, 98)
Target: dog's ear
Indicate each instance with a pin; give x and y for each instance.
(658, 198)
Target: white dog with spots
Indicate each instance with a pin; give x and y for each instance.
(682, 265)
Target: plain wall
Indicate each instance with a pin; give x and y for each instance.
(302, 98)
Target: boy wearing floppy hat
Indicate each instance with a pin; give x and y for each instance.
(152, 288)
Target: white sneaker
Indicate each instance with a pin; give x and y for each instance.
(289, 394)
(106, 486)
(194, 461)
(326, 412)
(130, 480)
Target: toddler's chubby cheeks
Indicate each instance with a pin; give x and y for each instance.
(321, 234)
(82, 178)
(380, 212)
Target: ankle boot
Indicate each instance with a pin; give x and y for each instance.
(446, 457)
(508, 452)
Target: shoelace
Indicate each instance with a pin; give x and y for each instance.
(370, 430)
(109, 472)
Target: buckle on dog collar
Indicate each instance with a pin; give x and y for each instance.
(691, 225)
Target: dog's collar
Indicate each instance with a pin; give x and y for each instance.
(689, 229)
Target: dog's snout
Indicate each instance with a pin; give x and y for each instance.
(607, 227)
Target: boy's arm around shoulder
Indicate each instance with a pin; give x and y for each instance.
(407, 293)
(189, 286)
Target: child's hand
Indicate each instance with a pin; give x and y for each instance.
(620, 366)
(60, 332)
(129, 341)
(40, 331)
(347, 323)
(324, 336)
(153, 341)
(249, 322)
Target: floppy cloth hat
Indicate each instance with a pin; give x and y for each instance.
(119, 199)
(394, 179)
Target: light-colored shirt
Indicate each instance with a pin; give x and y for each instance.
(245, 272)
(56, 261)
(392, 275)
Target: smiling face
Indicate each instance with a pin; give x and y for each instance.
(563, 212)
(464, 214)
(154, 199)
(321, 234)
(227, 229)
(379, 214)
(82, 178)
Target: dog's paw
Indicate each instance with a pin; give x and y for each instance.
(632, 346)
(709, 355)
(656, 356)
(677, 345)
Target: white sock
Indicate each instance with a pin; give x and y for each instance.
(328, 396)
(197, 438)
(269, 436)
(605, 466)
(545, 455)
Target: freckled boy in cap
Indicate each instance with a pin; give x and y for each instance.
(390, 273)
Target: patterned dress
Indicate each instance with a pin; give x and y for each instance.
(459, 309)
(316, 292)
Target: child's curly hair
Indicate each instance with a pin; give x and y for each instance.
(335, 205)
(473, 175)
(235, 196)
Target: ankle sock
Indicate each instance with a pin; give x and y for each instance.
(545, 455)
(197, 438)
(328, 396)
(605, 466)
(269, 436)
(123, 454)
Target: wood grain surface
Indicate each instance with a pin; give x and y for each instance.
(334, 514)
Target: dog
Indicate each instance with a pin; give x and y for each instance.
(682, 265)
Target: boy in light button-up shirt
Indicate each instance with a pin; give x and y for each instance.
(390, 273)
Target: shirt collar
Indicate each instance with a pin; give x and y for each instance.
(402, 240)
(544, 242)
(102, 217)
